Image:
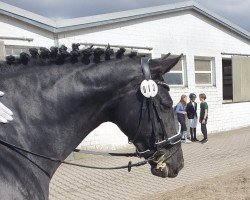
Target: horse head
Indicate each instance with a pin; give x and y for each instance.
(149, 122)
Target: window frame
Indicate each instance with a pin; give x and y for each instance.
(212, 66)
(22, 48)
(182, 72)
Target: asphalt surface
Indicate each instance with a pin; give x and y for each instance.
(224, 153)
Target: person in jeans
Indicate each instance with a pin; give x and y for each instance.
(203, 117)
(192, 116)
(181, 117)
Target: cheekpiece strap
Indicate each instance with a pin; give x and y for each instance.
(145, 68)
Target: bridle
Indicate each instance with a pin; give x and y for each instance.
(149, 104)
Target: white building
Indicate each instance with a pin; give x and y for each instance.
(216, 53)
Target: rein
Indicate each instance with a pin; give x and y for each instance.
(129, 166)
(106, 153)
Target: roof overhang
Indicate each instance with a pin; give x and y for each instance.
(60, 26)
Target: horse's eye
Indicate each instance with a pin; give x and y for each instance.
(167, 87)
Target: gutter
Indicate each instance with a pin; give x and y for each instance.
(16, 38)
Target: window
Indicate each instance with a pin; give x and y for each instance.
(203, 71)
(15, 50)
(176, 74)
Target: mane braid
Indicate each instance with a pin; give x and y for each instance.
(53, 52)
(44, 53)
(86, 53)
(24, 58)
(10, 59)
(120, 53)
(60, 56)
(34, 53)
(97, 55)
(108, 53)
(133, 54)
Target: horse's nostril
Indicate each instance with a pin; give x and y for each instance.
(161, 171)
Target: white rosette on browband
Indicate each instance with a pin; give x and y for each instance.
(149, 88)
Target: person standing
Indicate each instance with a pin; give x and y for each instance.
(203, 117)
(181, 117)
(192, 116)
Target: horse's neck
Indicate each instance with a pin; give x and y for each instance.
(54, 109)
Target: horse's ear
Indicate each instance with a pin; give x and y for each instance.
(166, 56)
(157, 62)
(159, 67)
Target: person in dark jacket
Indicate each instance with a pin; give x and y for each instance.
(191, 110)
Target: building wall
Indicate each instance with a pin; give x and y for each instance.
(11, 27)
(188, 33)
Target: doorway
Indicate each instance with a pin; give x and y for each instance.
(227, 79)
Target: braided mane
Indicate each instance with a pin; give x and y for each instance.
(61, 55)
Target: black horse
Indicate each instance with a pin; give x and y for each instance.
(57, 100)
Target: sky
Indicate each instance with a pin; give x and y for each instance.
(236, 11)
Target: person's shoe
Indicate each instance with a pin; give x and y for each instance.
(187, 141)
(196, 140)
(204, 141)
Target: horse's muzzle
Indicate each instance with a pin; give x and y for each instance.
(167, 167)
(161, 171)
(164, 170)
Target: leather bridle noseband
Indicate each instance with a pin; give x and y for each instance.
(148, 104)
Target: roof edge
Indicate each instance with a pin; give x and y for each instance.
(221, 20)
(104, 19)
(27, 17)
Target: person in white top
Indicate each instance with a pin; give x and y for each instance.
(5, 113)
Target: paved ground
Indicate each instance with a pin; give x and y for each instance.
(224, 153)
(231, 186)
